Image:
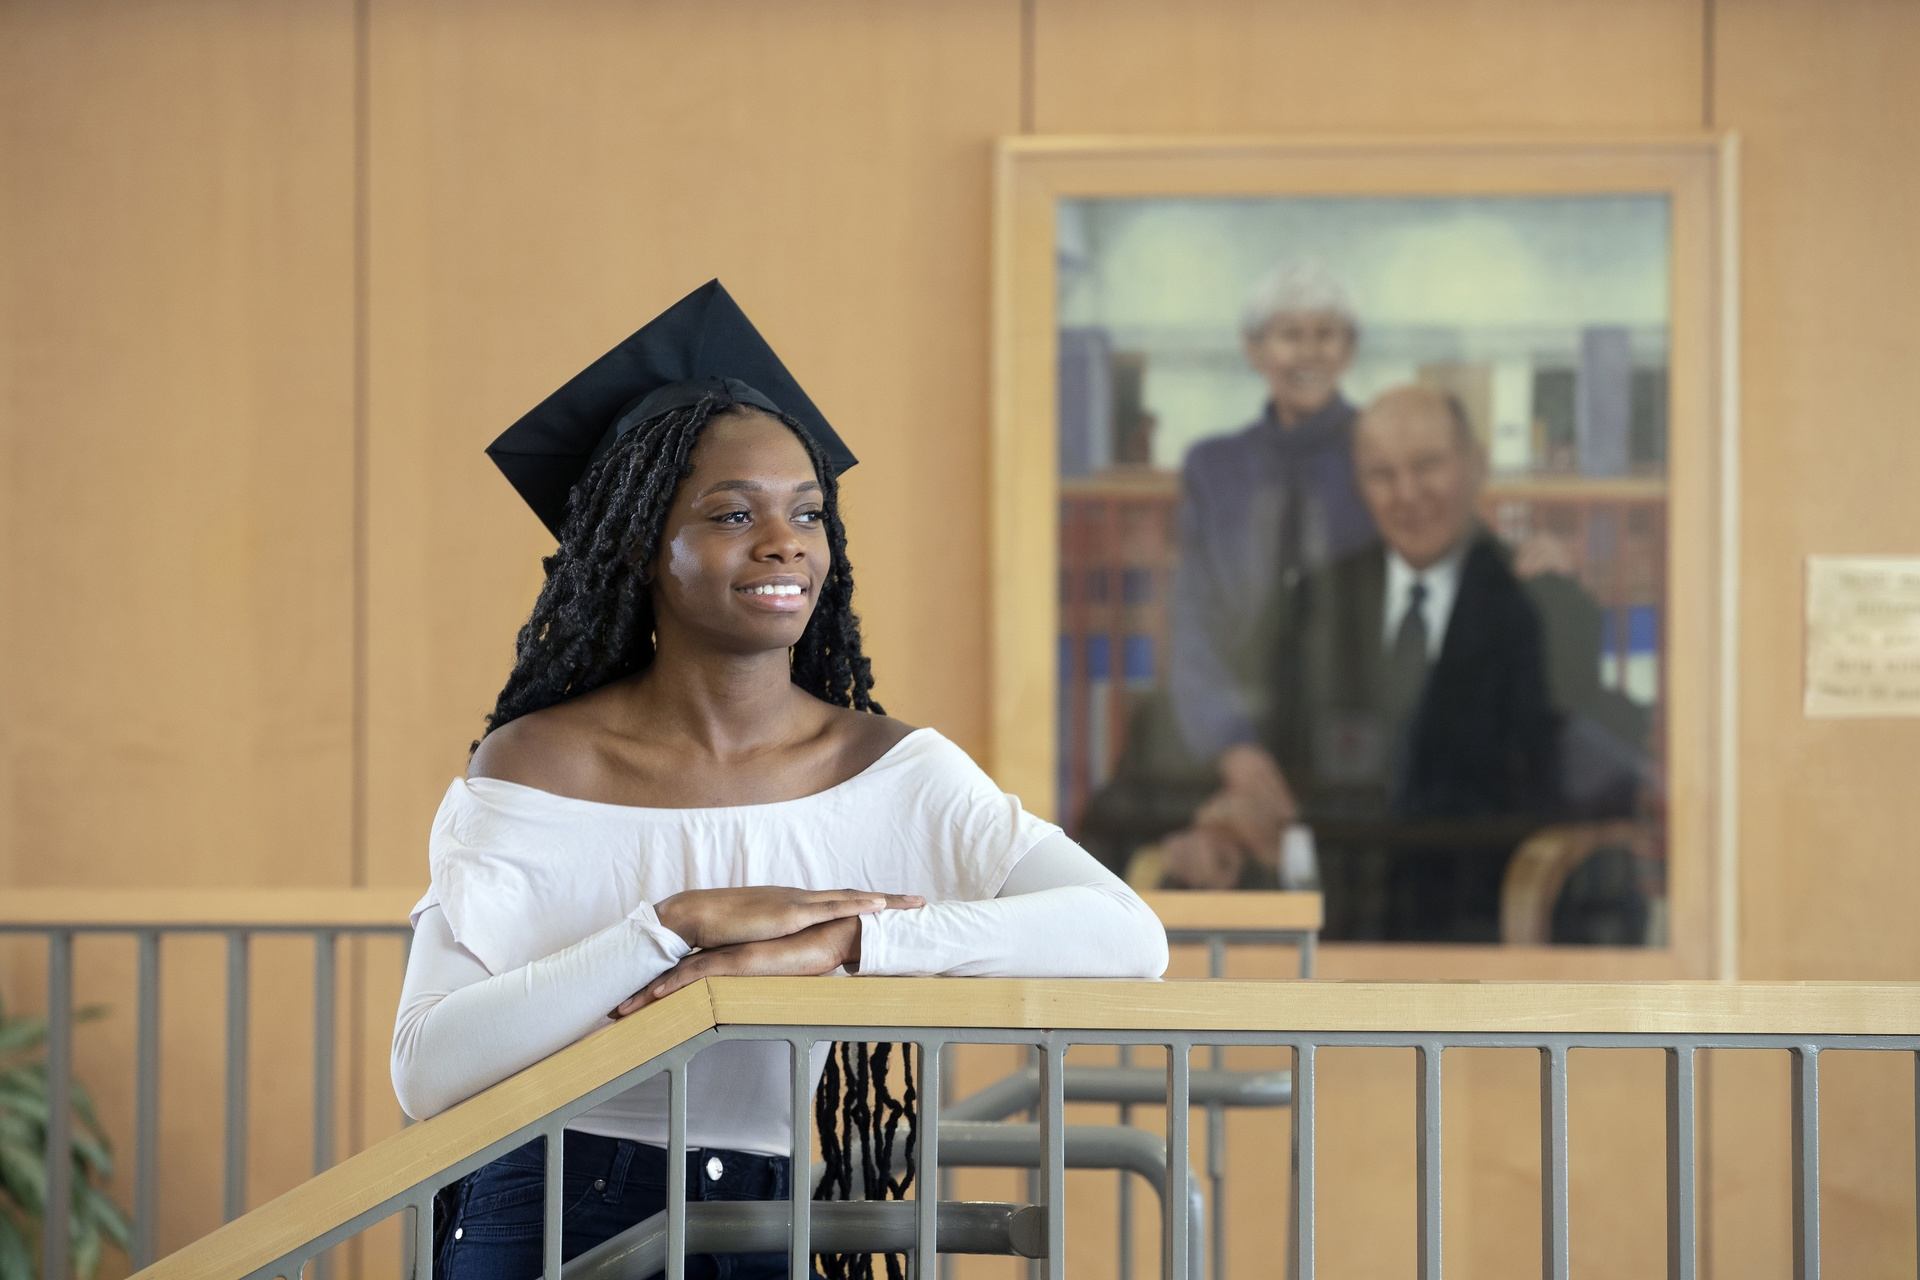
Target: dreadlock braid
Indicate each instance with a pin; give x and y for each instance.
(593, 624)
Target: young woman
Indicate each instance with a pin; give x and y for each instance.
(686, 775)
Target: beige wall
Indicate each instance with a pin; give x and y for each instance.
(275, 272)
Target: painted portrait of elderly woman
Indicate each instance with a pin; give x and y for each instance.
(1363, 554)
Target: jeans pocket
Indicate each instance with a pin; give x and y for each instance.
(510, 1203)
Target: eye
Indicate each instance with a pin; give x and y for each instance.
(813, 515)
(733, 517)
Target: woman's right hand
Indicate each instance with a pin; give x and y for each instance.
(706, 918)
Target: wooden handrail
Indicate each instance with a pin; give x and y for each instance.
(224, 908)
(228, 908)
(1237, 909)
(391, 1167)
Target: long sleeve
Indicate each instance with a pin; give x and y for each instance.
(1060, 914)
(461, 1029)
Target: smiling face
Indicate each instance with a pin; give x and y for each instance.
(1302, 355)
(1419, 471)
(744, 550)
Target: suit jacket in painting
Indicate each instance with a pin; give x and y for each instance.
(1415, 821)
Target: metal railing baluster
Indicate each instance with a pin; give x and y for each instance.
(234, 1193)
(926, 1172)
(1806, 1162)
(1682, 1249)
(1053, 1154)
(1176, 1246)
(423, 1259)
(1555, 1259)
(677, 1172)
(800, 1185)
(59, 1191)
(556, 1138)
(146, 1097)
(1123, 1209)
(323, 1010)
(1304, 1054)
(1217, 1132)
(1427, 1109)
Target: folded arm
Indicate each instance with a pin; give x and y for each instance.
(1060, 914)
(461, 1029)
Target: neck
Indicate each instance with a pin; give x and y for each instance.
(720, 705)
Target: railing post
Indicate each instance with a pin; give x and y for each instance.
(926, 1173)
(234, 1196)
(1053, 1153)
(800, 1184)
(323, 1001)
(59, 1191)
(1123, 1248)
(677, 1172)
(556, 1167)
(423, 1259)
(1806, 1162)
(1427, 1143)
(1301, 1259)
(1682, 1250)
(1556, 1260)
(1175, 1228)
(1217, 1132)
(146, 1099)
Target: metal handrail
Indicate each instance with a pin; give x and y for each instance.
(739, 1226)
(1800, 1020)
(151, 918)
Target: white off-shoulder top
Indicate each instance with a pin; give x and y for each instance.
(540, 919)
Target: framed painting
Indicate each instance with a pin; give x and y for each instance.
(1360, 525)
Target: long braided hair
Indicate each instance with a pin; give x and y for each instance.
(593, 624)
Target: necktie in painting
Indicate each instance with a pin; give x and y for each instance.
(1406, 678)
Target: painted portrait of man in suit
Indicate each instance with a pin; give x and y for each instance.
(1409, 614)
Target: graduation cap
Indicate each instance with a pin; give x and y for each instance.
(703, 345)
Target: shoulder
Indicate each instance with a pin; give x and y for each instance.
(544, 749)
(1488, 566)
(1216, 455)
(861, 739)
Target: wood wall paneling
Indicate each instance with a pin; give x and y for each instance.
(178, 489)
(543, 180)
(176, 504)
(1380, 66)
(1829, 119)
(1830, 291)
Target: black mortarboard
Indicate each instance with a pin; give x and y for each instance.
(702, 345)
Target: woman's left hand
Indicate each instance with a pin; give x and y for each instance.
(808, 953)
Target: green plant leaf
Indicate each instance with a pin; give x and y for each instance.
(23, 1173)
(38, 1112)
(16, 1255)
(86, 1248)
(18, 1034)
(106, 1216)
(38, 1079)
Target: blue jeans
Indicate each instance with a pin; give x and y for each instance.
(493, 1228)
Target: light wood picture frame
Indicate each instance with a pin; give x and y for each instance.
(1694, 175)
